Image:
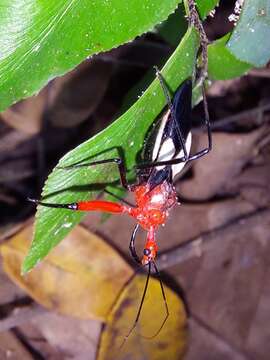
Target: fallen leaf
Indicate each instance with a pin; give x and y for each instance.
(171, 341)
(37, 340)
(203, 343)
(75, 96)
(82, 277)
(8, 291)
(12, 348)
(224, 288)
(76, 337)
(26, 115)
(216, 171)
(254, 184)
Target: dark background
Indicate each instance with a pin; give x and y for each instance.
(224, 211)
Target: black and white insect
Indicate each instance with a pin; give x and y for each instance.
(166, 151)
(170, 140)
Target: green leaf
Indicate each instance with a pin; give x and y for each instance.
(65, 186)
(205, 6)
(250, 39)
(43, 39)
(222, 64)
(174, 28)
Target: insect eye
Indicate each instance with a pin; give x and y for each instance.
(146, 252)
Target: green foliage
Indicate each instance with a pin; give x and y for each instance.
(173, 29)
(206, 6)
(222, 64)
(250, 39)
(43, 39)
(65, 186)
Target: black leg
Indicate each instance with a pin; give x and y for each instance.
(141, 305)
(170, 106)
(119, 198)
(192, 157)
(165, 302)
(71, 206)
(118, 161)
(208, 127)
(132, 245)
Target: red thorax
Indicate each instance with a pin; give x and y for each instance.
(152, 207)
(151, 211)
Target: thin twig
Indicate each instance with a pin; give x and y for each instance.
(194, 19)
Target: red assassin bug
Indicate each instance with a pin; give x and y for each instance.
(166, 152)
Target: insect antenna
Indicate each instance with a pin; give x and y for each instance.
(165, 303)
(140, 307)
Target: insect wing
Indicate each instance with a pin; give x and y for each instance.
(168, 134)
(151, 148)
(176, 129)
(182, 113)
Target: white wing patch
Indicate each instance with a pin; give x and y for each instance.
(159, 135)
(167, 152)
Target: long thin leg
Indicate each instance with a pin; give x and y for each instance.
(140, 307)
(132, 245)
(119, 198)
(208, 126)
(95, 205)
(169, 103)
(192, 157)
(118, 161)
(165, 302)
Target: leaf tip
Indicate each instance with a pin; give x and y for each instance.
(27, 265)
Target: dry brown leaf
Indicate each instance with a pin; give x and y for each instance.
(11, 140)
(26, 115)
(214, 172)
(254, 184)
(82, 276)
(37, 340)
(8, 291)
(75, 96)
(203, 343)
(75, 337)
(224, 288)
(68, 100)
(11, 348)
(170, 343)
